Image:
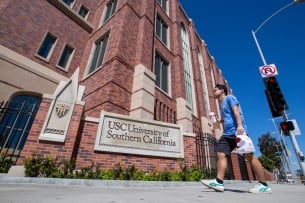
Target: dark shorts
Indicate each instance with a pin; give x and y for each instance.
(226, 144)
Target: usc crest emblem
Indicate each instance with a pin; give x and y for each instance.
(62, 109)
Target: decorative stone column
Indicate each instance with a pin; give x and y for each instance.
(184, 115)
(143, 93)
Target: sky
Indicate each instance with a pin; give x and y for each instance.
(226, 27)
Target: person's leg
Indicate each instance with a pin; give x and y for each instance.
(222, 164)
(257, 167)
(217, 184)
(222, 148)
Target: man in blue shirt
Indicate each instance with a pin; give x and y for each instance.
(234, 124)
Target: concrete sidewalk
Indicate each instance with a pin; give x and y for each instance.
(48, 190)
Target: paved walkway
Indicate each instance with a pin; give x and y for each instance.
(47, 190)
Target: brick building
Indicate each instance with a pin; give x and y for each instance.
(108, 81)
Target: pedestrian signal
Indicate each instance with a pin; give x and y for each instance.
(286, 127)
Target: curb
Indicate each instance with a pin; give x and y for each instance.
(6, 179)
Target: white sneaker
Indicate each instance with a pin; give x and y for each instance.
(261, 189)
(213, 184)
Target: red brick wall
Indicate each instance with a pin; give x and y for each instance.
(34, 145)
(250, 172)
(190, 154)
(26, 23)
(80, 142)
(235, 166)
(109, 86)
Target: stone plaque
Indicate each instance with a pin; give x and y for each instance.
(56, 125)
(123, 134)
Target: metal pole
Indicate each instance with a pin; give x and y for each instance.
(296, 147)
(297, 152)
(275, 13)
(283, 148)
(267, 20)
(259, 48)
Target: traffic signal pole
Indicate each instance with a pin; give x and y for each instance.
(259, 48)
(299, 153)
(285, 159)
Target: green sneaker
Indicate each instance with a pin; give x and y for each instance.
(261, 189)
(213, 184)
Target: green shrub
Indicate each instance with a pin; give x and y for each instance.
(38, 166)
(5, 163)
(33, 165)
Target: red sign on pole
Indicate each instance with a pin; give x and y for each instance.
(268, 70)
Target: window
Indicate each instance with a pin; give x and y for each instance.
(17, 121)
(47, 46)
(187, 69)
(68, 2)
(111, 6)
(161, 72)
(99, 52)
(163, 4)
(161, 30)
(83, 12)
(65, 57)
(204, 84)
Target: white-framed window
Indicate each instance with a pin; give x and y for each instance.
(47, 46)
(210, 68)
(98, 53)
(161, 71)
(204, 84)
(163, 4)
(65, 57)
(111, 6)
(83, 12)
(161, 29)
(68, 2)
(187, 66)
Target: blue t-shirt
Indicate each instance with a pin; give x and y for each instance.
(230, 125)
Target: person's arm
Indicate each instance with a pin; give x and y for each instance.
(219, 120)
(240, 129)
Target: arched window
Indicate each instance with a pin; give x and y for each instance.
(16, 119)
